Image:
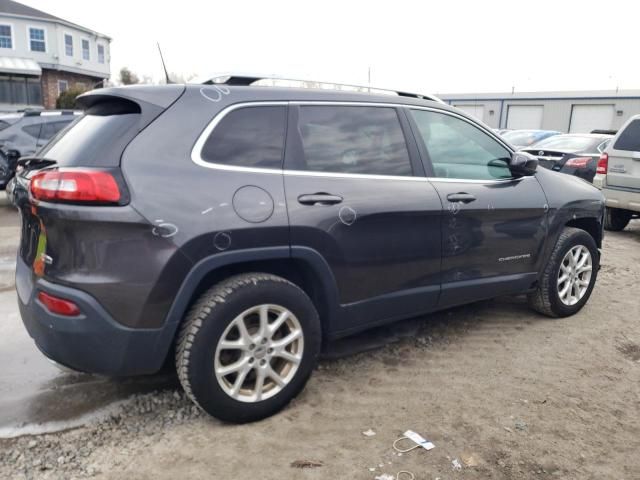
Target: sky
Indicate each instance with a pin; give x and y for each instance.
(422, 46)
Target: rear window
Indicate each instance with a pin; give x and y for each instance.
(629, 139)
(248, 137)
(569, 143)
(92, 140)
(350, 139)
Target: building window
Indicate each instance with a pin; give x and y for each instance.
(6, 38)
(100, 53)
(36, 40)
(20, 90)
(63, 86)
(68, 45)
(85, 50)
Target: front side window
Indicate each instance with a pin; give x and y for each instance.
(100, 53)
(68, 45)
(248, 137)
(36, 40)
(457, 149)
(86, 55)
(629, 139)
(353, 140)
(6, 39)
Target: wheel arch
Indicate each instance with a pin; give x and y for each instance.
(591, 225)
(302, 266)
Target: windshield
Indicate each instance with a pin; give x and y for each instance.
(569, 143)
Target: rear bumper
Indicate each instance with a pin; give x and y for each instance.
(621, 198)
(91, 342)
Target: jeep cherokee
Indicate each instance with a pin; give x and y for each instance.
(238, 227)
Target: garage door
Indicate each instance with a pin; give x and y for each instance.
(524, 117)
(585, 118)
(476, 111)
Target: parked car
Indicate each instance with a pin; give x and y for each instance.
(526, 138)
(573, 154)
(500, 131)
(618, 176)
(242, 227)
(21, 134)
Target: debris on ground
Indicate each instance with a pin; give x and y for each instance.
(471, 459)
(369, 433)
(306, 464)
(456, 465)
(521, 425)
(385, 476)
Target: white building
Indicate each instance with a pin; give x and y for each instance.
(572, 112)
(42, 55)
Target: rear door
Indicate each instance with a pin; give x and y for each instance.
(624, 158)
(357, 195)
(493, 225)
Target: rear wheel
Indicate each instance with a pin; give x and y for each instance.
(616, 219)
(248, 347)
(568, 279)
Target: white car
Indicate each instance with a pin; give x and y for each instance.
(618, 176)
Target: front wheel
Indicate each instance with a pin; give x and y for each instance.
(248, 346)
(567, 281)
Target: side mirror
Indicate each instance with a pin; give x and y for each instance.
(523, 164)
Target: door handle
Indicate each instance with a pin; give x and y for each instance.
(320, 198)
(461, 197)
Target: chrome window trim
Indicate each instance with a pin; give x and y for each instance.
(196, 151)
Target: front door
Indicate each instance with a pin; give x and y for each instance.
(356, 194)
(493, 225)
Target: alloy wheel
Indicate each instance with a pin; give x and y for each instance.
(574, 275)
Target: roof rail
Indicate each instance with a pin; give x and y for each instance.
(250, 79)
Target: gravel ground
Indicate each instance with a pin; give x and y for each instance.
(501, 391)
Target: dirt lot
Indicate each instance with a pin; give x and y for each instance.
(502, 391)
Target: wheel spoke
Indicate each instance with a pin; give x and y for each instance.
(242, 376)
(233, 344)
(225, 370)
(270, 372)
(288, 356)
(260, 374)
(242, 328)
(585, 268)
(563, 278)
(273, 328)
(283, 342)
(264, 321)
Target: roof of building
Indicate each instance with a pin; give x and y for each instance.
(9, 7)
(557, 95)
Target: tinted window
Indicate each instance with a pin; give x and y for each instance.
(629, 139)
(51, 128)
(248, 137)
(4, 124)
(93, 140)
(33, 130)
(569, 143)
(364, 140)
(457, 149)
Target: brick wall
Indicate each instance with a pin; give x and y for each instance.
(49, 81)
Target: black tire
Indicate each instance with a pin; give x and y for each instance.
(546, 299)
(206, 323)
(616, 219)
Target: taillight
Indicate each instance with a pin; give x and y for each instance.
(58, 305)
(578, 162)
(75, 185)
(603, 164)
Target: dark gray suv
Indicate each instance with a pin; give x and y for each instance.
(239, 227)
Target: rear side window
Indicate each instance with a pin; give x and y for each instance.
(248, 137)
(4, 125)
(629, 139)
(352, 139)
